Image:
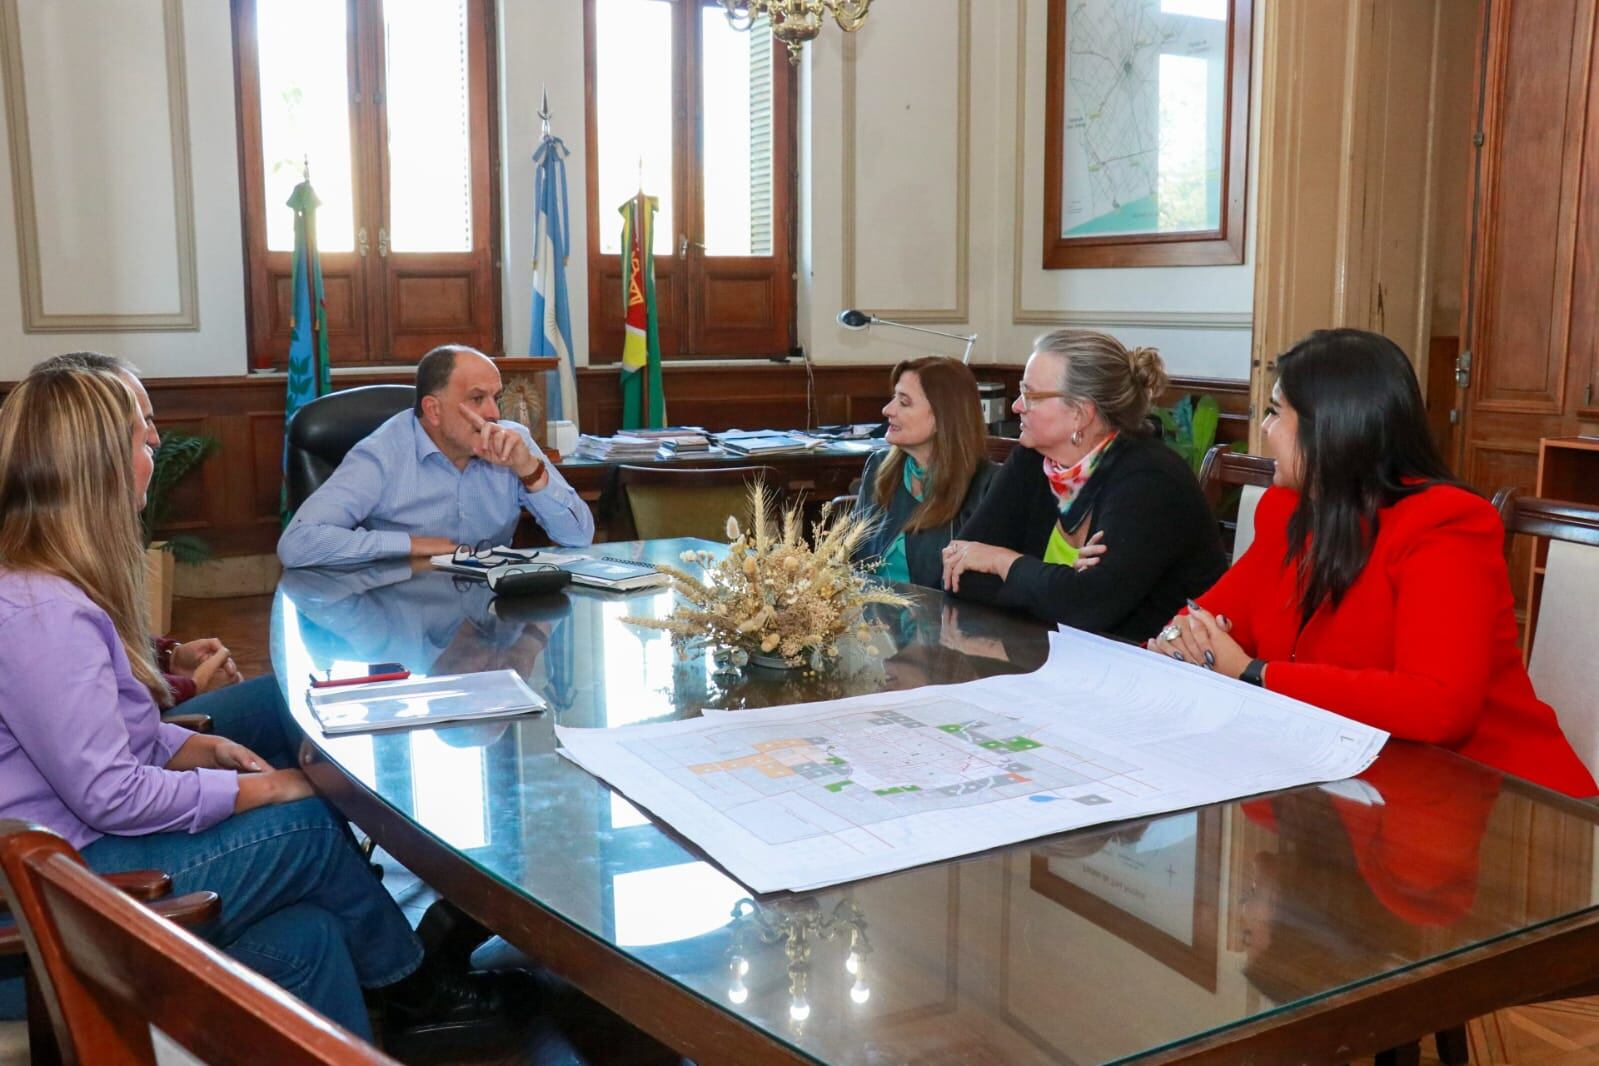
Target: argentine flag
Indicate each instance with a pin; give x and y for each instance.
(552, 239)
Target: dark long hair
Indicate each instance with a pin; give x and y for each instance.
(959, 441)
(1363, 445)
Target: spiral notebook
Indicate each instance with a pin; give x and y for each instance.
(605, 572)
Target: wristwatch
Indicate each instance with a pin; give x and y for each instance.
(1255, 673)
(533, 478)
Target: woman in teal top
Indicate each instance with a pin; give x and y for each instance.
(932, 477)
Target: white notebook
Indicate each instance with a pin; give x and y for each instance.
(422, 701)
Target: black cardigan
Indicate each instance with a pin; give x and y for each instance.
(1162, 544)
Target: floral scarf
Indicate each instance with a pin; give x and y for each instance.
(1067, 481)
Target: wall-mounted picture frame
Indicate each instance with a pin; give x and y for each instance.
(1146, 132)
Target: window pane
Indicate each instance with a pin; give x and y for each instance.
(633, 104)
(305, 116)
(736, 84)
(428, 105)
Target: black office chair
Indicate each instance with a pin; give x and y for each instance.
(323, 431)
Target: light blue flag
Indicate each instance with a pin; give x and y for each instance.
(552, 239)
(309, 375)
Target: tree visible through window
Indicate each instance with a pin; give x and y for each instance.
(387, 103)
(699, 115)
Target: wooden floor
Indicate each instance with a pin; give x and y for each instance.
(1555, 1034)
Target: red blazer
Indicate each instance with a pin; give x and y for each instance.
(1424, 643)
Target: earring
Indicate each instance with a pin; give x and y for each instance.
(1077, 436)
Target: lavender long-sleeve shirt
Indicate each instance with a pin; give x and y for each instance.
(82, 744)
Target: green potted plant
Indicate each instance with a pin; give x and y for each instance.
(177, 457)
(1189, 427)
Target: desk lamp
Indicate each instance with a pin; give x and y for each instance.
(853, 319)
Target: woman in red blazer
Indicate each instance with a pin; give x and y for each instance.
(1376, 585)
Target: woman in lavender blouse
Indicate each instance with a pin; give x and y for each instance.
(83, 750)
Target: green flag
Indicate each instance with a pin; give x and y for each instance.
(309, 376)
(643, 402)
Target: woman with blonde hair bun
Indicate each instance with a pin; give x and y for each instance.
(83, 750)
(1089, 473)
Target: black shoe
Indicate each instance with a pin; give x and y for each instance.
(456, 1001)
(449, 936)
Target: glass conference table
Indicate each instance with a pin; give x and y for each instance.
(1318, 924)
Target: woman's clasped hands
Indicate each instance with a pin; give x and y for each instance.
(1202, 639)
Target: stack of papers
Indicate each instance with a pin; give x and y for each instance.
(622, 448)
(683, 444)
(422, 701)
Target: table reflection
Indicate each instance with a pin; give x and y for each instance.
(1406, 844)
(1025, 953)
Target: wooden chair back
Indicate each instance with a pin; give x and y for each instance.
(1565, 616)
(111, 972)
(681, 501)
(1224, 470)
(999, 448)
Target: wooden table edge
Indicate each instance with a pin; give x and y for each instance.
(1416, 1002)
(683, 1020)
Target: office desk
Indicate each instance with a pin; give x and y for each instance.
(1316, 925)
(820, 474)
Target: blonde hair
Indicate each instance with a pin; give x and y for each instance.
(67, 506)
(1100, 369)
(960, 441)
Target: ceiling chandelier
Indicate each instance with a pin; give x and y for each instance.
(796, 21)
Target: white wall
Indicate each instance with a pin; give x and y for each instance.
(905, 58)
(908, 232)
(217, 347)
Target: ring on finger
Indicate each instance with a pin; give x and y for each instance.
(1170, 633)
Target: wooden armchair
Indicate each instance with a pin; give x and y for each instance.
(1224, 469)
(1562, 611)
(999, 448)
(144, 885)
(676, 501)
(110, 972)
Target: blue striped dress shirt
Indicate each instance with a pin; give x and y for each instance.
(397, 483)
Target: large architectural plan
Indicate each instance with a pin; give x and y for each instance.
(816, 794)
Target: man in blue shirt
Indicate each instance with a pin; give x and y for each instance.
(446, 473)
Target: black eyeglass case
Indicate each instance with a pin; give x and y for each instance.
(517, 579)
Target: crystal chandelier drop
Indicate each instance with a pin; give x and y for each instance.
(796, 21)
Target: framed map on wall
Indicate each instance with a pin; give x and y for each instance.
(1146, 132)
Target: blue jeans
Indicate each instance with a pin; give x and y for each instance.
(250, 713)
(299, 904)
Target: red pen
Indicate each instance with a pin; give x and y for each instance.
(324, 682)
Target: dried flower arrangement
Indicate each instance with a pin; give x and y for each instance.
(774, 594)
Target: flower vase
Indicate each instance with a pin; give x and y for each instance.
(773, 662)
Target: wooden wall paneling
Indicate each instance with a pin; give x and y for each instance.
(1583, 342)
(1535, 85)
(1341, 220)
(233, 502)
(1529, 322)
(773, 395)
(1438, 388)
(1501, 463)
